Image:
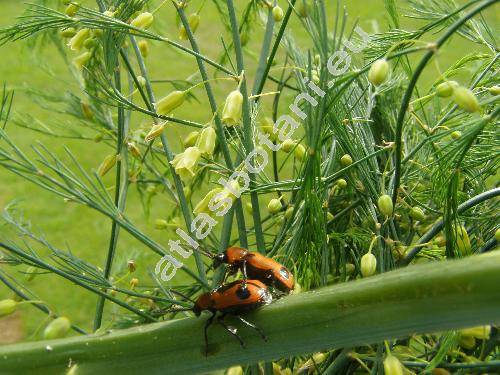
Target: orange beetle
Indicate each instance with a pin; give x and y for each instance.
(234, 299)
(254, 265)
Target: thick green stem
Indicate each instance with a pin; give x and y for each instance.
(420, 299)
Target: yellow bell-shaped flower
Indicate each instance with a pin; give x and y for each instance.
(185, 163)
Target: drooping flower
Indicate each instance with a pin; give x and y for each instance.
(76, 43)
(185, 163)
(206, 141)
(143, 20)
(194, 22)
(231, 114)
(170, 102)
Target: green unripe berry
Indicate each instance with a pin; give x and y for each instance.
(274, 206)
(497, 235)
(385, 205)
(57, 328)
(7, 307)
(341, 183)
(289, 212)
(368, 264)
(456, 134)
(346, 160)
(278, 14)
(466, 99)
(378, 72)
(417, 214)
(445, 89)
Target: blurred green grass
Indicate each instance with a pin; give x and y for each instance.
(81, 229)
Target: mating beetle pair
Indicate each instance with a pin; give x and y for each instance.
(238, 297)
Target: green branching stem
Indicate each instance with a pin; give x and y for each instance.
(397, 303)
(186, 213)
(247, 126)
(120, 196)
(219, 127)
(436, 228)
(98, 291)
(413, 82)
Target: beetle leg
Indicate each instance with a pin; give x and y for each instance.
(207, 324)
(254, 326)
(233, 331)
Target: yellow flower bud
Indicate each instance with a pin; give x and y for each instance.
(385, 205)
(378, 72)
(456, 134)
(161, 224)
(71, 9)
(68, 32)
(249, 208)
(274, 206)
(466, 99)
(494, 90)
(235, 370)
(30, 273)
(392, 365)
(303, 8)
(57, 328)
(288, 145)
(231, 113)
(185, 163)
(76, 43)
(289, 212)
(278, 14)
(202, 206)
(497, 235)
(108, 163)
(267, 127)
(191, 139)
(206, 141)
(311, 363)
(329, 216)
(300, 152)
(416, 213)
(80, 61)
(446, 88)
(462, 239)
(346, 160)
(134, 282)
(467, 342)
(368, 264)
(144, 48)
(440, 371)
(143, 20)
(7, 307)
(155, 132)
(481, 332)
(134, 150)
(170, 102)
(141, 80)
(194, 22)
